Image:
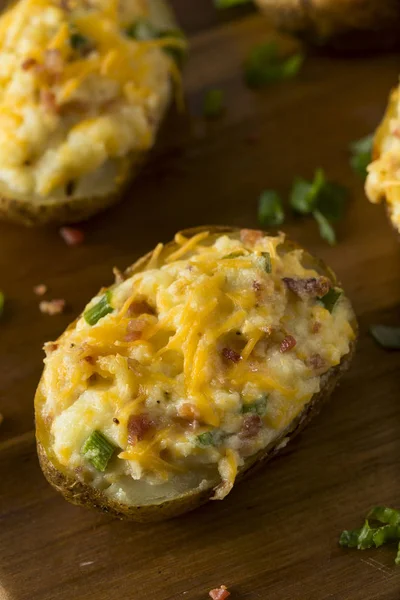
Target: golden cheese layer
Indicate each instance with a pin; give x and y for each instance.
(76, 89)
(208, 354)
(383, 180)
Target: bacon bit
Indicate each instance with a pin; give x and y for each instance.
(249, 237)
(40, 289)
(316, 327)
(135, 329)
(89, 359)
(138, 426)
(313, 287)
(251, 426)
(48, 99)
(28, 63)
(52, 307)
(220, 593)
(231, 355)
(119, 276)
(287, 344)
(188, 411)
(115, 420)
(72, 236)
(257, 286)
(140, 307)
(315, 362)
(50, 347)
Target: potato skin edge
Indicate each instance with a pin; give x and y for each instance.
(83, 494)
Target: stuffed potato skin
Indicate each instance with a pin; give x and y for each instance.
(80, 110)
(80, 493)
(343, 25)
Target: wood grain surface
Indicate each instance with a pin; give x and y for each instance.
(276, 536)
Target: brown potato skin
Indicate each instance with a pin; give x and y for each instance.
(82, 494)
(342, 25)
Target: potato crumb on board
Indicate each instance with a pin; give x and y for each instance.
(40, 289)
(220, 593)
(52, 307)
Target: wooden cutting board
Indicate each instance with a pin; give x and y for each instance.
(276, 536)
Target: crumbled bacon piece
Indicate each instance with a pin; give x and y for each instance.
(135, 329)
(231, 355)
(251, 426)
(50, 347)
(257, 286)
(249, 237)
(40, 289)
(287, 344)
(52, 307)
(316, 327)
(28, 63)
(89, 359)
(188, 411)
(72, 236)
(48, 99)
(138, 426)
(315, 362)
(220, 593)
(140, 307)
(313, 287)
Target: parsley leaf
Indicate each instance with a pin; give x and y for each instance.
(361, 154)
(264, 65)
(270, 209)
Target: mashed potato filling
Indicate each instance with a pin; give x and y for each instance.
(383, 180)
(197, 360)
(78, 87)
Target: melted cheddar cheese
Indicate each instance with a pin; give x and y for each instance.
(77, 90)
(207, 356)
(383, 180)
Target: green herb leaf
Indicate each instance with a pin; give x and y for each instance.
(366, 537)
(213, 104)
(209, 438)
(304, 194)
(178, 54)
(330, 299)
(270, 209)
(383, 514)
(331, 201)
(267, 262)
(78, 41)
(326, 230)
(142, 30)
(98, 450)
(349, 539)
(258, 407)
(387, 337)
(397, 559)
(99, 310)
(386, 535)
(361, 154)
(229, 3)
(264, 65)
(238, 254)
(2, 300)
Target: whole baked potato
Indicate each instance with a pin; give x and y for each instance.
(340, 24)
(83, 89)
(200, 363)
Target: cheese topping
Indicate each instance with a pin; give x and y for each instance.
(383, 181)
(201, 359)
(77, 89)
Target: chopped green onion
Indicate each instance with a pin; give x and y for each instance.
(2, 300)
(387, 337)
(78, 41)
(330, 299)
(258, 407)
(304, 194)
(386, 534)
(99, 310)
(229, 3)
(326, 230)
(361, 154)
(213, 104)
(384, 514)
(267, 262)
(209, 438)
(264, 65)
(98, 450)
(237, 254)
(142, 30)
(270, 209)
(349, 539)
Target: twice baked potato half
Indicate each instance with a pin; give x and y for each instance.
(339, 24)
(383, 179)
(208, 356)
(83, 89)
